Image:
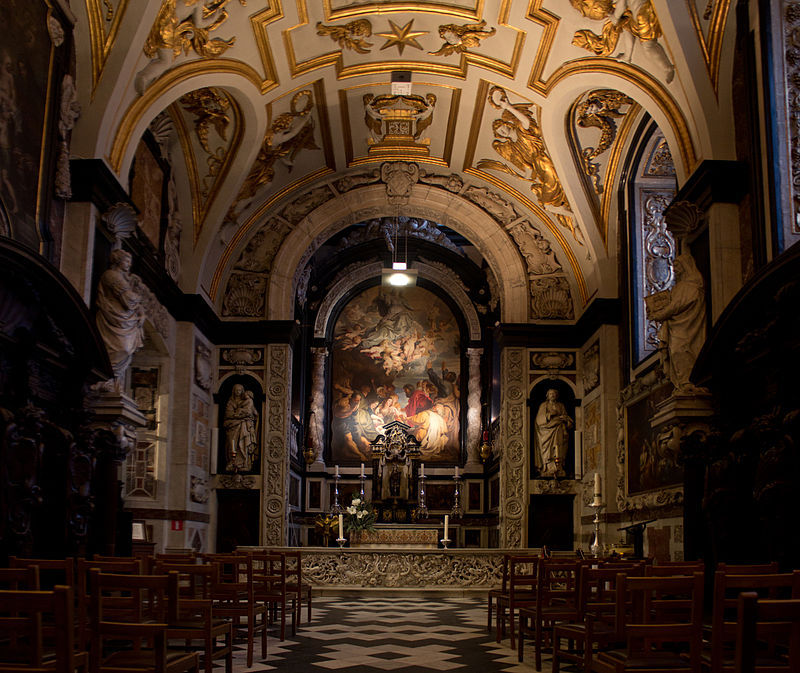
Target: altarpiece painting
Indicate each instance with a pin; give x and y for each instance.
(396, 356)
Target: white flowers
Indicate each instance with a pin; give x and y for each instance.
(351, 510)
(356, 502)
(360, 514)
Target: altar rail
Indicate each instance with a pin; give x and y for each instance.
(455, 569)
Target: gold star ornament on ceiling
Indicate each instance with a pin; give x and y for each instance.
(400, 37)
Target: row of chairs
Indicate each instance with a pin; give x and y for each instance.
(175, 597)
(616, 617)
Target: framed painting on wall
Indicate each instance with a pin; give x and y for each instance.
(651, 459)
(396, 355)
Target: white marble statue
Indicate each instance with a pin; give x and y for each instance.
(241, 443)
(682, 314)
(120, 314)
(552, 435)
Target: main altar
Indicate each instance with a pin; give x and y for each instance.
(454, 570)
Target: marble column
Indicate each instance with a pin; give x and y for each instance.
(513, 451)
(317, 420)
(474, 411)
(275, 462)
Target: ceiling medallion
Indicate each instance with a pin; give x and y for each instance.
(400, 37)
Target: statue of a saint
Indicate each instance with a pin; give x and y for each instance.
(552, 439)
(682, 313)
(241, 443)
(120, 314)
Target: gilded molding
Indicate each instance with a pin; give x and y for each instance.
(104, 22)
(419, 6)
(171, 78)
(711, 45)
(202, 105)
(639, 78)
(259, 23)
(336, 58)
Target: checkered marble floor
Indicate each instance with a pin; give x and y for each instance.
(398, 634)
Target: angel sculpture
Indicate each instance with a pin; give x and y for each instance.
(349, 36)
(629, 20)
(458, 39)
(518, 140)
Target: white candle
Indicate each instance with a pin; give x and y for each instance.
(341, 526)
(337, 470)
(456, 471)
(422, 469)
(446, 524)
(362, 469)
(597, 490)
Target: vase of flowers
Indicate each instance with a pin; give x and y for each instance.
(359, 517)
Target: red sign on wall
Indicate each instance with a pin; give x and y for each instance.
(177, 525)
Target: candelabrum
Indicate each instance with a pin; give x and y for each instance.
(337, 506)
(457, 512)
(341, 541)
(445, 541)
(422, 506)
(595, 547)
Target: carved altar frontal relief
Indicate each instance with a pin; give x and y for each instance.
(396, 356)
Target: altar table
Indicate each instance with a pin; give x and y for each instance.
(360, 567)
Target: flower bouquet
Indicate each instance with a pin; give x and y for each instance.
(359, 516)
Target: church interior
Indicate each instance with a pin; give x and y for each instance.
(411, 286)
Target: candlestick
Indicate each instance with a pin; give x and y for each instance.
(595, 546)
(446, 524)
(422, 507)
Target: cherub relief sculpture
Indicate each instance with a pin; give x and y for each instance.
(349, 36)
(518, 139)
(171, 35)
(457, 39)
(630, 20)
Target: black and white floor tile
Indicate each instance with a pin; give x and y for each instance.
(397, 634)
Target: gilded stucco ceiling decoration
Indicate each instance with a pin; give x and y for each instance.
(402, 36)
(350, 36)
(518, 140)
(174, 32)
(623, 29)
(397, 123)
(307, 43)
(215, 117)
(600, 121)
(458, 39)
(105, 17)
(708, 18)
(288, 134)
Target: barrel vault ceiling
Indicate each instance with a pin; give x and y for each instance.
(505, 122)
